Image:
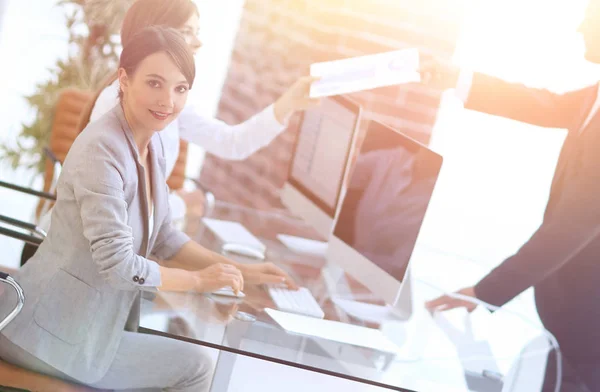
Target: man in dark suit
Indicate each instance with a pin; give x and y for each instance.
(562, 258)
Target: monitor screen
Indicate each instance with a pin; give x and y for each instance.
(324, 140)
(389, 189)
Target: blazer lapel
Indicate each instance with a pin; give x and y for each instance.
(118, 110)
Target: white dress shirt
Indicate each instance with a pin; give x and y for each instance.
(226, 141)
(463, 85)
(593, 111)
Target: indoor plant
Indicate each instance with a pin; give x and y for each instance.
(93, 27)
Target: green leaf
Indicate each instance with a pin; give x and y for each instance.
(73, 72)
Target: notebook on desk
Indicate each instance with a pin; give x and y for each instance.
(233, 232)
(303, 245)
(334, 331)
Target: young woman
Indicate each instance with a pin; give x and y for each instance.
(84, 283)
(226, 141)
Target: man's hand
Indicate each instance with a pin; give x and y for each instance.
(266, 273)
(446, 302)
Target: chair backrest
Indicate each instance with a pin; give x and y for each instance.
(528, 372)
(177, 177)
(69, 107)
(5, 279)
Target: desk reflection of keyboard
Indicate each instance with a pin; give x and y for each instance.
(298, 302)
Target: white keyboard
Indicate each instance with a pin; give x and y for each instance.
(298, 302)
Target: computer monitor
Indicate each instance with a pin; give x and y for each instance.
(388, 192)
(319, 164)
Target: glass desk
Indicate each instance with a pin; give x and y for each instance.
(452, 351)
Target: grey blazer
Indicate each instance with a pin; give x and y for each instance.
(84, 283)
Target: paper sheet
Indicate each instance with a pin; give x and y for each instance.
(365, 72)
(233, 232)
(333, 330)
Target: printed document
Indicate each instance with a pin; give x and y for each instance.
(365, 72)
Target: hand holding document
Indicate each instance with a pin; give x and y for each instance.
(365, 72)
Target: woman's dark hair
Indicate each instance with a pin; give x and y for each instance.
(142, 14)
(156, 39)
(145, 13)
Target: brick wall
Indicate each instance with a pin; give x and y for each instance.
(276, 43)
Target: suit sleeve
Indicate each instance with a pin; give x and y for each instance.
(98, 190)
(518, 102)
(555, 243)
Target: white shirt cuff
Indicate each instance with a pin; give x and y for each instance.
(270, 117)
(463, 85)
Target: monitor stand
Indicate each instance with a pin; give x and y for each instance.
(339, 290)
(392, 319)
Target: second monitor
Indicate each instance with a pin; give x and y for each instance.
(319, 163)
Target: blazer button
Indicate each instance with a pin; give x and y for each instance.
(136, 278)
(142, 280)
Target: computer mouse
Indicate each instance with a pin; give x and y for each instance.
(243, 250)
(228, 292)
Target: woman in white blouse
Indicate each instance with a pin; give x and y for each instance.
(223, 140)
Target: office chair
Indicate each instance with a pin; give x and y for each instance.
(13, 378)
(35, 231)
(9, 374)
(6, 279)
(528, 373)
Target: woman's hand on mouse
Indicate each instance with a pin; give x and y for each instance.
(266, 273)
(218, 276)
